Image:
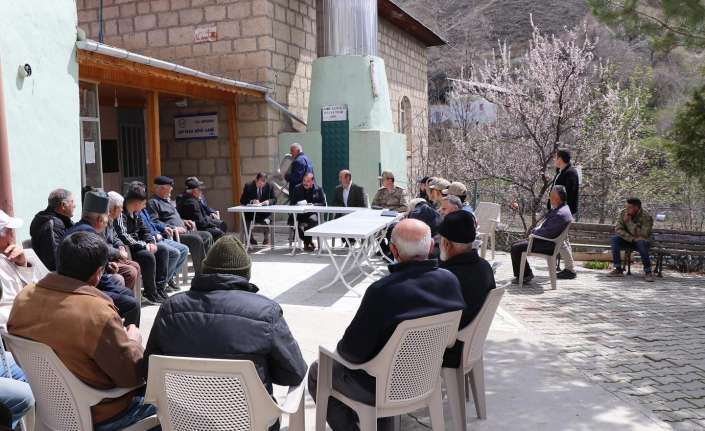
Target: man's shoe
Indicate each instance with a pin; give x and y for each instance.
(253, 241)
(649, 277)
(172, 287)
(148, 299)
(161, 293)
(265, 241)
(566, 275)
(527, 279)
(617, 272)
(309, 247)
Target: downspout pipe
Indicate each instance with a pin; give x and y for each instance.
(5, 176)
(278, 106)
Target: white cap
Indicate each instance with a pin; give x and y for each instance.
(7, 222)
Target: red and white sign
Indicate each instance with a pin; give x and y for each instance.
(205, 34)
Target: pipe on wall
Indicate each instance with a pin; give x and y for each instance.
(5, 175)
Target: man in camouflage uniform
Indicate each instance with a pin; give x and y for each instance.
(437, 189)
(390, 196)
(632, 231)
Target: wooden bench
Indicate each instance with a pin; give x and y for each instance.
(664, 242)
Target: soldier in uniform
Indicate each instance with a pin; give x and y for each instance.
(389, 195)
(436, 191)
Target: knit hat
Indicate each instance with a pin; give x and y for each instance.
(458, 226)
(228, 256)
(96, 202)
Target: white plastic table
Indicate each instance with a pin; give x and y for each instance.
(364, 226)
(294, 210)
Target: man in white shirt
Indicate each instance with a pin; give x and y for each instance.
(348, 194)
(16, 269)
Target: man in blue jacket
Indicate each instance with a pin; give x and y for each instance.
(416, 287)
(300, 166)
(556, 221)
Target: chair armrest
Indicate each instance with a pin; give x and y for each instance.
(293, 399)
(554, 240)
(101, 394)
(337, 358)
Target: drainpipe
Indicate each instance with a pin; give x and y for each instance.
(5, 177)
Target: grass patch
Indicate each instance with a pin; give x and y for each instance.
(594, 264)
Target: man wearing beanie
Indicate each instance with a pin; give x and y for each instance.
(474, 273)
(223, 317)
(94, 219)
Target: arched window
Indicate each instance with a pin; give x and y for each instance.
(405, 120)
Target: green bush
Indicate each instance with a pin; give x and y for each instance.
(594, 264)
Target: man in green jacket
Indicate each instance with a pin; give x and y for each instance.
(633, 231)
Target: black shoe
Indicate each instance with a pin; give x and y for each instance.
(566, 275)
(253, 241)
(527, 279)
(148, 299)
(161, 293)
(172, 287)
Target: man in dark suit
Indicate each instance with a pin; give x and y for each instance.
(348, 194)
(309, 192)
(191, 207)
(258, 192)
(567, 176)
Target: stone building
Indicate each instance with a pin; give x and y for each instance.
(271, 43)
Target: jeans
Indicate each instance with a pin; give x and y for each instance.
(198, 242)
(641, 246)
(178, 253)
(137, 411)
(356, 385)
(539, 246)
(15, 392)
(154, 268)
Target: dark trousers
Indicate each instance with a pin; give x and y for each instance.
(354, 384)
(154, 268)
(260, 219)
(539, 246)
(216, 233)
(641, 246)
(198, 243)
(124, 299)
(307, 221)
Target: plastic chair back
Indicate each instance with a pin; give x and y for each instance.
(487, 215)
(195, 394)
(408, 367)
(475, 334)
(54, 387)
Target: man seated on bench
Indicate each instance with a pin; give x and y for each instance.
(416, 287)
(556, 221)
(633, 230)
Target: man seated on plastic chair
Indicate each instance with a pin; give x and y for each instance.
(16, 271)
(223, 317)
(555, 222)
(416, 287)
(65, 311)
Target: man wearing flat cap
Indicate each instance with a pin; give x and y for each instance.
(457, 232)
(458, 189)
(436, 189)
(191, 206)
(163, 212)
(390, 196)
(94, 219)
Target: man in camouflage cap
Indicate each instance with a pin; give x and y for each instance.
(436, 191)
(390, 196)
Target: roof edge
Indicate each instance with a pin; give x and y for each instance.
(394, 13)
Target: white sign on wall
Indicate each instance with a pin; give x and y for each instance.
(199, 126)
(334, 113)
(205, 34)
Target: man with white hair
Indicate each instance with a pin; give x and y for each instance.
(49, 226)
(415, 288)
(450, 204)
(300, 166)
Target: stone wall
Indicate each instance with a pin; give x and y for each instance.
(407, 71)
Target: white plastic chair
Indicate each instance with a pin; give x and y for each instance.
(63, 402)
(550, 258)
(472, 369)
(195, 394)
(488, 216)
(407, 372)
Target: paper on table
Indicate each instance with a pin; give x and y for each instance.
(89, 152)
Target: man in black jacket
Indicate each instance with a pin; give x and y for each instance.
(191, 207)
(49, 226)
(259, 192)
(309, 192)
(474, 273)
(567, 176)
(223, 317)
(415, 288)
(348, 194)
(163, 212)
(152, 256)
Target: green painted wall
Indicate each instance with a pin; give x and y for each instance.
(42, 110)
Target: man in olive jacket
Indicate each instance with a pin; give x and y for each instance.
(633, 231)
(223, 317)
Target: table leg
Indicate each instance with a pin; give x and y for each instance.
(247, 230)
(339, 270)
(296, 236)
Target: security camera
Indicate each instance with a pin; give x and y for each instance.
(25, 70)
